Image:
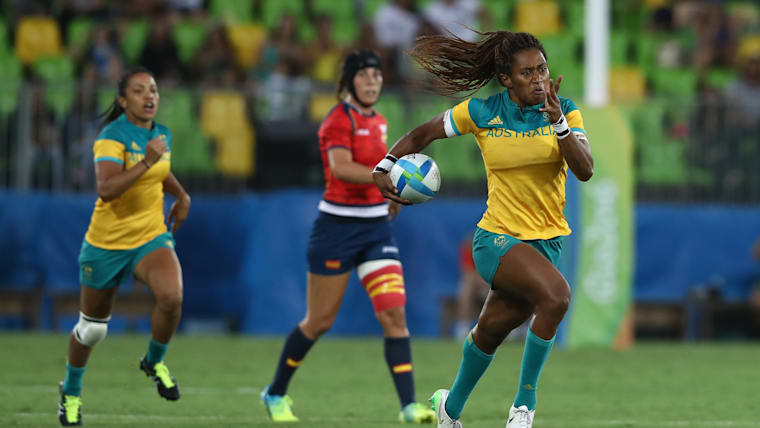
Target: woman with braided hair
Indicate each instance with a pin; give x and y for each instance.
(528, 137)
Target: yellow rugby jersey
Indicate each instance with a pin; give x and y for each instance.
(137, 216)
(526, 172)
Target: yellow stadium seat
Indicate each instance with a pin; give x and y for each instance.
(539, 17)
(37, 36)
(247, 41)
(224, 117)
(320, 104)
(627, 85)
(235, 156)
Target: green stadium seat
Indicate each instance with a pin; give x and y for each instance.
(574, 17)
(134, 39)
(58, 74)
(500, 12)
(11, 70)
(561, 51)
(191, 150)
(646, 45)
(619, 48)
(232, 11)
(78, 34)
(392, 107)
(345, 25)
(720, 78)
(5, 47)
(104, 97)
(680, 82)
(189, 36)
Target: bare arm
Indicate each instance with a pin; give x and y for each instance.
(180, 207)
(577, 154)
(113, 179)
(345, 169)
(413, 141)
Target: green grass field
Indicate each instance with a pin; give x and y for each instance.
(345, 383)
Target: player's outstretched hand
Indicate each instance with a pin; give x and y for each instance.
(389, 191)
(551, 100)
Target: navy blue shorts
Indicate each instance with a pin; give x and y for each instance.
(339, 244)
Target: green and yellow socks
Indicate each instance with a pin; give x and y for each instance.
(156, 352)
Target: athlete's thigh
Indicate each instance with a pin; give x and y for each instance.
(97, 303)
(505, 310)
(161, 271)
(526, 273)
(324, 294)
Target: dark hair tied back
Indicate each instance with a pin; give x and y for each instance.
(115, 109)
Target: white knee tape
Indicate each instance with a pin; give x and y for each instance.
(89, 331)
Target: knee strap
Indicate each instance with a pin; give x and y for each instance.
(384, 282)
(89, 331)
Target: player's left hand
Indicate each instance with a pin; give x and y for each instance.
(393, 209)
(551, 100)
(178, 212)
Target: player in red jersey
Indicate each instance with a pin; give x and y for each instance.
(352, 231)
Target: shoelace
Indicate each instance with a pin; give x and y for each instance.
(71, 405)
(162, 372)
(522, 414)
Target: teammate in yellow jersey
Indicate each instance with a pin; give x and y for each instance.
(127, 235)
(528, 137)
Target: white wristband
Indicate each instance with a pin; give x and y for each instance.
(561, 128)
(386, 164)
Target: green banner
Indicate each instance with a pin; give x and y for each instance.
(602, 286)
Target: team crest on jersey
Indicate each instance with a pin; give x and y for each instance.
(500, 241)
(383, 128)
(546, 116)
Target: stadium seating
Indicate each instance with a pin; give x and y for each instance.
(58, 74)
(224, 118)
(191, 152)
(540, 17)
(134, 38)
(247, 40)
(37, 36)
(320, 104)
(627, 85)
(10, 69)
(78, 34)
(188, 36)
(231, 11)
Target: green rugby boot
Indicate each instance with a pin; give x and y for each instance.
(165, 382)
(69, 409)
(416, 413)
(278, 406)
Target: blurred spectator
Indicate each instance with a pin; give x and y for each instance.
(214, 57)
(283, 45)
(396, 26)
(323, 54)
(455, 16)
(285, 91)
(160, 53)
(714, 37)
(744, 93)
(186, 6)
(103, 63)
